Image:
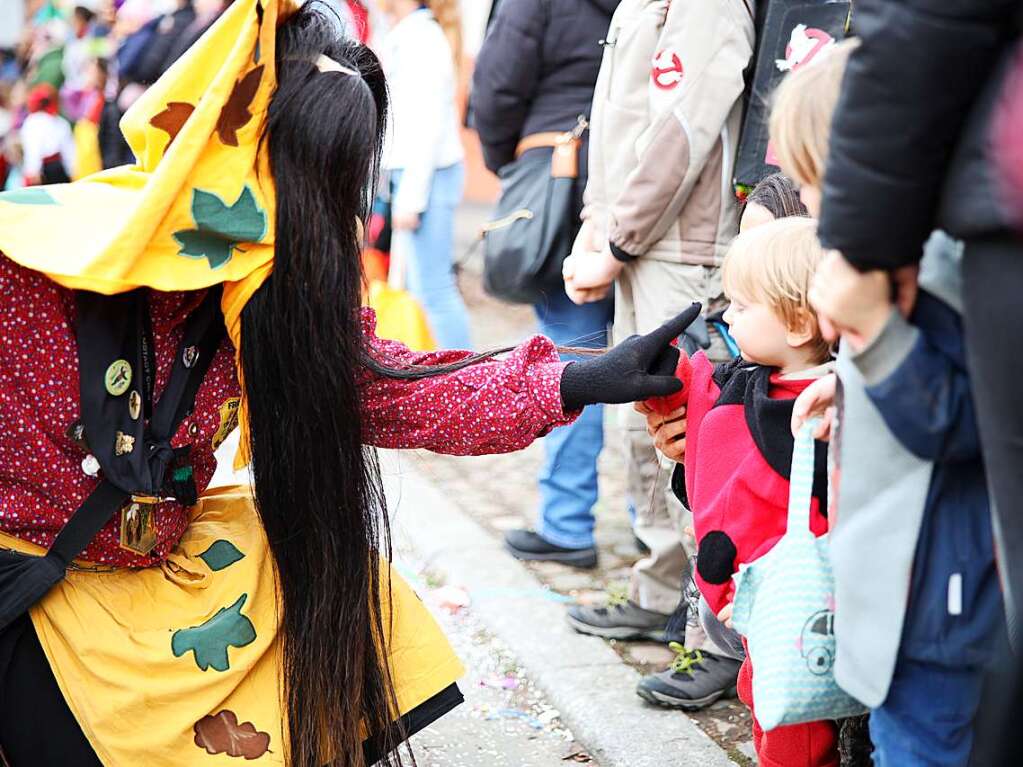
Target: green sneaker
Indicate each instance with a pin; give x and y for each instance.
(694, 680)
(620, 618)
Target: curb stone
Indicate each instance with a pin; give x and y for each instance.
(583, 677)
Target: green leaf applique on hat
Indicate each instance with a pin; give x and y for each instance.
(220, 228)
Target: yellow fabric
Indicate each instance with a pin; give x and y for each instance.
(123, 646)
(128, 647)
(197, 208)
(400, 317)
(87, 155)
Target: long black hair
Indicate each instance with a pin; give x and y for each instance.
(317, 489)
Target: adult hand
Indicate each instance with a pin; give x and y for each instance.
(594, 269)
(856, 303)
(668, 432)
(816, 401)
(404, 221)
(906, 288)
(579, 295)
(589, 238)
(638, 368)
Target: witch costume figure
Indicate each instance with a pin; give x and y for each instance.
(146, 312)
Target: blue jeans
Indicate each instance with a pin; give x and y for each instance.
(568, 480)
(927, 718)
(429, 274)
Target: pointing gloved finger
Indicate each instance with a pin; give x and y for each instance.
(656, 386)
(675, 327)
(665, 362)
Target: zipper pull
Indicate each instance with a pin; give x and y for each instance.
(580, 127)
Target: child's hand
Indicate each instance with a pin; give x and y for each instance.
(725, 616)
(668, 431)
(816, 400)
(856, 303)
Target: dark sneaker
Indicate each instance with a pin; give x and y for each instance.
(694, 680)
(525, 544)
(621, 618)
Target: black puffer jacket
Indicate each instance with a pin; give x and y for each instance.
(536, 71)
(908, 141)
(156, 58)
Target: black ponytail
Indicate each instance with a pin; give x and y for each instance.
(317, 488)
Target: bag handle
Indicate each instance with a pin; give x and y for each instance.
(565, 159)
(801, 478)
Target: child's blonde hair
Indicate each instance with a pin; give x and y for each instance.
(774, 264)
(801, 114)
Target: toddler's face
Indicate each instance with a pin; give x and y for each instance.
(760, 333)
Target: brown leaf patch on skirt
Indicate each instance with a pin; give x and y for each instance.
(221, 734)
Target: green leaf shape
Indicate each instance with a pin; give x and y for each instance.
(210, 640)
(29, 195)
(220, 227)
(220, 555)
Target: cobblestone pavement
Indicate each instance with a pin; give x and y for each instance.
(500, 493)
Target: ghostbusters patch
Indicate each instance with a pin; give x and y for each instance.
(805, 45)
(228, 421)
(666, 70)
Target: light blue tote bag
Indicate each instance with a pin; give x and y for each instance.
(785, 607)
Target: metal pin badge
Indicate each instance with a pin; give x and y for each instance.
(123, 443)
(76, 433)
(134, 405)
(118, 378)
(190, 355)
(90, 465)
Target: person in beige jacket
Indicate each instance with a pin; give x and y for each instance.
(659, 214)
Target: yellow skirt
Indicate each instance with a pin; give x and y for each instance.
(180, 664)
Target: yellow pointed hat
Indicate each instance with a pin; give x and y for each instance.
(197, 208)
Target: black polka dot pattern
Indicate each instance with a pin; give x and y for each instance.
(715, 558)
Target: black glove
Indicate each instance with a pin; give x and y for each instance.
(636, 369)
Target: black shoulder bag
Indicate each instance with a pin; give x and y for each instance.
(127, 436)
(531, 235)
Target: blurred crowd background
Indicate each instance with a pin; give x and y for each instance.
(69, 69)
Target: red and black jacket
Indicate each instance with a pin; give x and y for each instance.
(736, 474)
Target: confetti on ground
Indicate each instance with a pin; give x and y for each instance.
(451, 598)
(506, 682)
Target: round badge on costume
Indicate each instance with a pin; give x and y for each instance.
(667, 70)
(90, 465)
(190, 356)
(134, 405)
(118, 378)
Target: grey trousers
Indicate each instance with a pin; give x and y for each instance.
(647, 293)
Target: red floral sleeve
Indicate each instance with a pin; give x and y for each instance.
(494, 407)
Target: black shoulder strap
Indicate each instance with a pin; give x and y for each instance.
(24, 579)
(204, 330)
